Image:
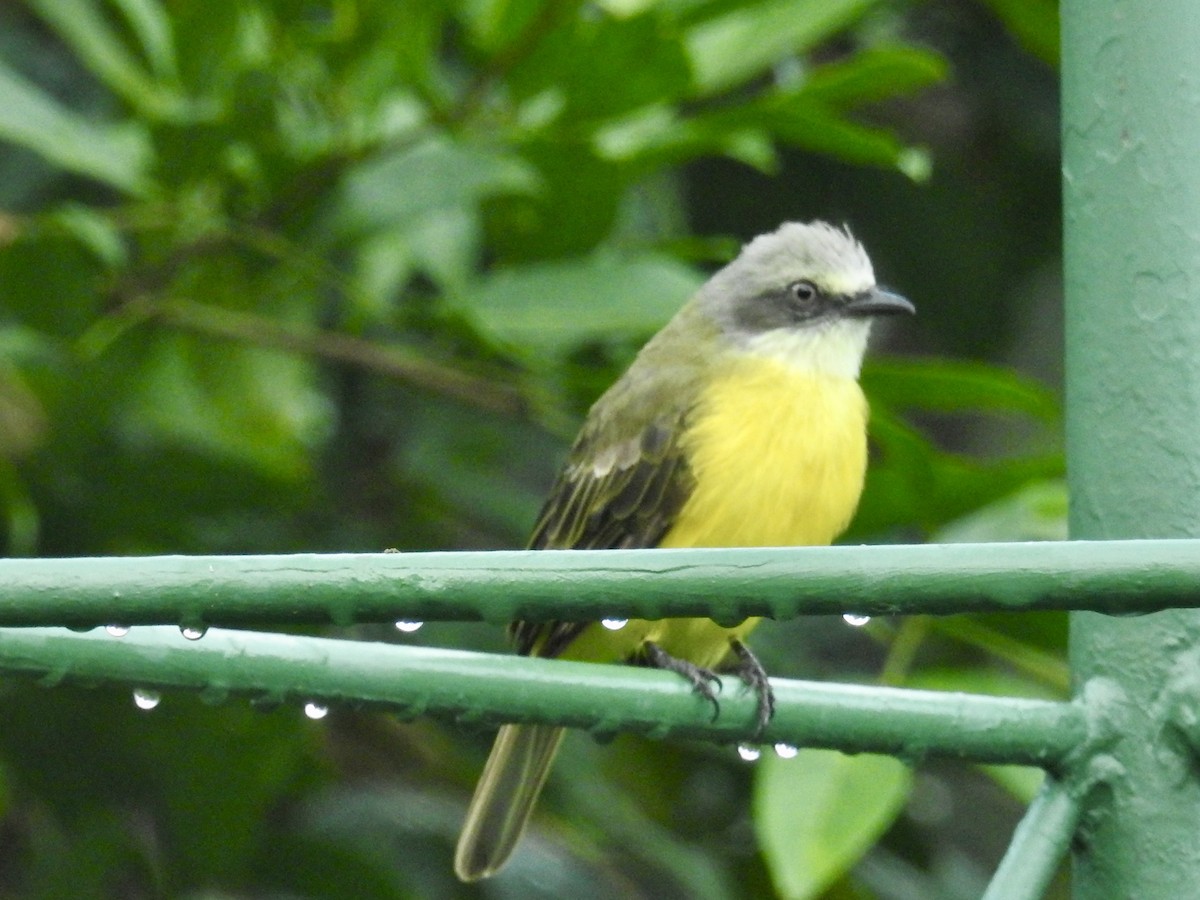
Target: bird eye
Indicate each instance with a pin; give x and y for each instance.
(804, 291)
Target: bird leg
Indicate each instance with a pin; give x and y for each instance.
(701, 679)
(752, 673)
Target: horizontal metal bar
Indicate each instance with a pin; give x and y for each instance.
(499, 586)
(1039, 845)
(485, 689)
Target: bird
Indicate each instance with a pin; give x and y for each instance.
(740, 424)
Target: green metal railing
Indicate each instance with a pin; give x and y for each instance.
(584, 585)
(1122, 791)
(486, 689)
(1075, 742)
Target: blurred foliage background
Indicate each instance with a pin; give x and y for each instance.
(345, 276)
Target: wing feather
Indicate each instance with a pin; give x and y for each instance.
(614, 497)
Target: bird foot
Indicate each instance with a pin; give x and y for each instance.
(701, 679)
(752, 673)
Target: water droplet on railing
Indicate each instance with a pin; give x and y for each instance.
(117, 630)
(856, 620)
(408, 627)
(192, 632)
(144, 698)
(786, 751)
(614, 624)
(749, 752)
(315, 710)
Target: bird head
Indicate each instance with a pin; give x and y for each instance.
(804, 293)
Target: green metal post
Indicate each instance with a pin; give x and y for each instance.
(1131, 131)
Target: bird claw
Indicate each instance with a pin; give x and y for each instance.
(699, 678)
(754, 676)
(748, 669)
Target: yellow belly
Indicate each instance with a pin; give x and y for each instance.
(779, 458)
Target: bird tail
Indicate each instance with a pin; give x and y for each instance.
(504, 799)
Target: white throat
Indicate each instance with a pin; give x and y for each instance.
(835, 350)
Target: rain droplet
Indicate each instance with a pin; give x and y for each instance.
(192, 632)
(614, 624)
(749, 752)
(117, 630)
(856, 620)
(144, 698)
(785, 751)
(407, 626)
(315, 710)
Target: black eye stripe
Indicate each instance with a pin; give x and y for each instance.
(792, 304)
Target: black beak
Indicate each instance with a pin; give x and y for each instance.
(877, 302)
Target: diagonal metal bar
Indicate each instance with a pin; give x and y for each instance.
(485, 689)
(1039, 845)
(499, 586)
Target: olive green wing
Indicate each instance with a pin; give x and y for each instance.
(620, 497)
(624, 495)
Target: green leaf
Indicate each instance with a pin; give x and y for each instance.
(1023, 782)
(980, 680)
(150, 23)
(1036, 512)
(437, 174)
(20, 345)
(20, 522)
(743, 41)
(254, 406)
(48, 281)
(817, 814)
(646, 50)
(1034, 23)
(119, 156)
(808, 113)
(493, 25)
(659, 136)
(625, 8)
(796, 118)
(1032, 645)
(93, 229)
(954, 386)
(85, 28)
(555, 306)
(874, 74)
(913, 483)
(573, 211)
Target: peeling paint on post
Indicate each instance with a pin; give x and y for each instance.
(1131, 126)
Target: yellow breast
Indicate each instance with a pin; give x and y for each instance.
(778, 455)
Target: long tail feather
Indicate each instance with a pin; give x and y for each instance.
(505, 797)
